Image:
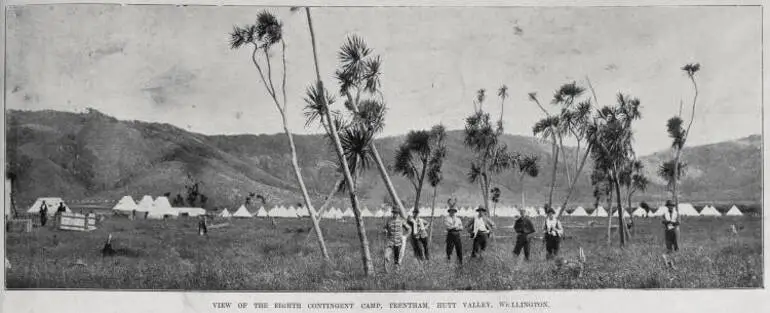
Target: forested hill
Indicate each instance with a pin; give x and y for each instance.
(94, 156)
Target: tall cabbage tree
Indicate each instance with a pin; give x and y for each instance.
(261, 38)
(679, 134)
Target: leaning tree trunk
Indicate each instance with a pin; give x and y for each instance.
(418, 191)
(574, 180)
(366, 256)
(521, 183)
(609, 214)
(619, 199)
(555, 150)
(386, 179)
(305, 194)
(432, 213)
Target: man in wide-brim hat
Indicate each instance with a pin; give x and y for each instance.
(454, 226)
(480, 228)
(553, 232)
(394, 235)
(671, 223)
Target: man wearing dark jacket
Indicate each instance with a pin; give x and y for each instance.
(523, 228)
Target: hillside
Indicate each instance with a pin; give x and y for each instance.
(94, 156)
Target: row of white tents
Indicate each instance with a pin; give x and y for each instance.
(685, 209)
(155, 209)
(160, 207)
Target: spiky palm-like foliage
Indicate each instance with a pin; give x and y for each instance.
(612, 134)
(261, 36)
(490, 156)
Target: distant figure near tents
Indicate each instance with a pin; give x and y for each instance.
(43, 214)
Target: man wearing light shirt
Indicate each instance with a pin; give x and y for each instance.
(671, 222)
(454, 226)
(480, 228)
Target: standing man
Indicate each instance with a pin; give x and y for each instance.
(553, 233)
(480, 228)
(524, 229)
(43, 213)
(202, 227)
(671, 222)
(419, 235)
(59, 211)
(454, 225)
(394, 235)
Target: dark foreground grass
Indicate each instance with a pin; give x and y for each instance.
(255, 255)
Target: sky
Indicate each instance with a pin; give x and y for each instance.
(169, 64)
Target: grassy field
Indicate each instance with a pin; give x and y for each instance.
(254, 254)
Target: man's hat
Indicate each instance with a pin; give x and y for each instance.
(452, 210)
(669, 203)
(481, 209)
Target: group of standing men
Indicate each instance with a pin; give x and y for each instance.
(44, 212)
(480, 229)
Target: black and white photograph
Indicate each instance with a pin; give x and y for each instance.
(249, 148)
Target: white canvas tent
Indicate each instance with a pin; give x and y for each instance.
(639, 212)
(126, 204)
(686, 209)
(366, 213)
(734, 211)
(161, 208)
(144, 205)
(261, 212)
(225, 213)
(51, 202)
(348, 213)
(580, 211)
(242, 212)
(379, 213)
(710, 211)
(303, 212)
(659, 212)
(625, 213)
(599, 212)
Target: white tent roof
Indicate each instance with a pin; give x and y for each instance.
(261, 212)
(348, 213)
(279, 211)
(625, 214)
(710, 211)
(51, 202)
(292, 212)
(659, 211)
(242, 212)
(366, 213)
(225, 213)
(379, 213)
(338, 213)
(580, 211)
(734, 211)
(126, 204)
(160, 208)
(686, 209)
(639, 212)
(145, 205)
(541, 211)
(599, 212)
(303, 211)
